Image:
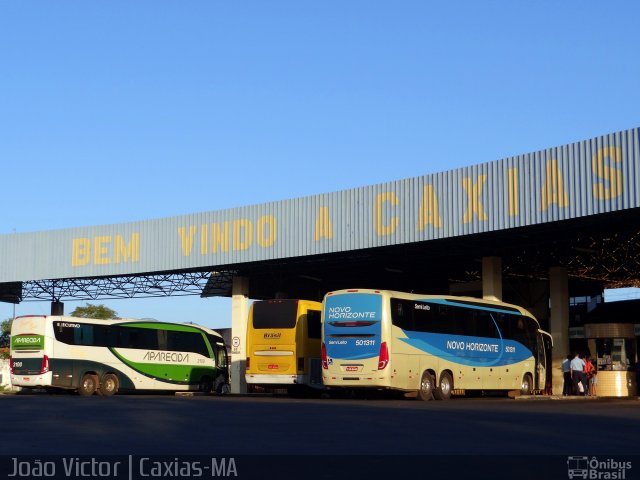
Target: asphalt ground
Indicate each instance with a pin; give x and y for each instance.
(39, 424)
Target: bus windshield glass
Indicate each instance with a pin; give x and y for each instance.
(275, 314)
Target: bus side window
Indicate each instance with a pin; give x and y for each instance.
(83, 335)
(64, 334)
(436, 319)
(531, 332)
(103, 336)
(503, 325)
(487, 327)
(314, 327)
(465, 318)
(140, 338)
(519, 332)
(402, 314)
(162, 340)
(425, 318)
(187, 342)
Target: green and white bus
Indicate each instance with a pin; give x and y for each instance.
(431, 345)
(104, 356)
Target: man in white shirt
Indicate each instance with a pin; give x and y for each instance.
(578, 376)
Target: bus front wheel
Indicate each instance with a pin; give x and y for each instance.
(425, 392)
(443, 391)
(527, 385)
(88, 385)
(110, 385)
(206, 384)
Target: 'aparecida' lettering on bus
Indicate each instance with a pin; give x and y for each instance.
(171, 357)
(27, 340)
(472, 346)
(345, 312)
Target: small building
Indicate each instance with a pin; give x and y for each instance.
(608, 333)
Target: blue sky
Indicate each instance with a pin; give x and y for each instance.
(120, 111)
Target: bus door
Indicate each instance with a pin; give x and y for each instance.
(221, 381)
(545, 346)
(541, 363)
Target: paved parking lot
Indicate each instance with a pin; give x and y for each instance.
(243, 425)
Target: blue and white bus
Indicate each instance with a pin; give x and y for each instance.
(432, 345)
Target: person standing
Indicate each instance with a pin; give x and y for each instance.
(577, 375)
(588, 373)
(566, 373)
(594, 382)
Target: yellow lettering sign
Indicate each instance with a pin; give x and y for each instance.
(429, 213)
(242, 234)
(609, 180)
(80, 252)
(390, 227)
(186, 239)
(266, 231)
(204, 239)
(124, 252)
(474, 203)
(513, 194)
(105, 250)
(553, 190)
(101, 250)
(324, 227)
(220, 237)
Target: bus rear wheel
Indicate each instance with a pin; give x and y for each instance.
(110, 385)
(88, 385)
(425, 392)
(443, 391)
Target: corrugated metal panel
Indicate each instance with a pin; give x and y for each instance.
(586, 178)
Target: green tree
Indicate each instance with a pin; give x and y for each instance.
(5, 326)
(5, 331)
(94, 311)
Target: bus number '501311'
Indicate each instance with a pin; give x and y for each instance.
(368, 343)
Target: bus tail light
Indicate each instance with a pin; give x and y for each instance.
(325, 364)
(248, 365)
(45, 365)
(384, 356)
(301, 364)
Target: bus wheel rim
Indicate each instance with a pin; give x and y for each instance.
(426, 384)
(445, 386)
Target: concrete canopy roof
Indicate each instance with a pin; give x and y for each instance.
(576, 206)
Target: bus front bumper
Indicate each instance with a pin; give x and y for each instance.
(267, 379)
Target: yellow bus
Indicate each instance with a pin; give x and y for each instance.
(283, 345)
(432, 345)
